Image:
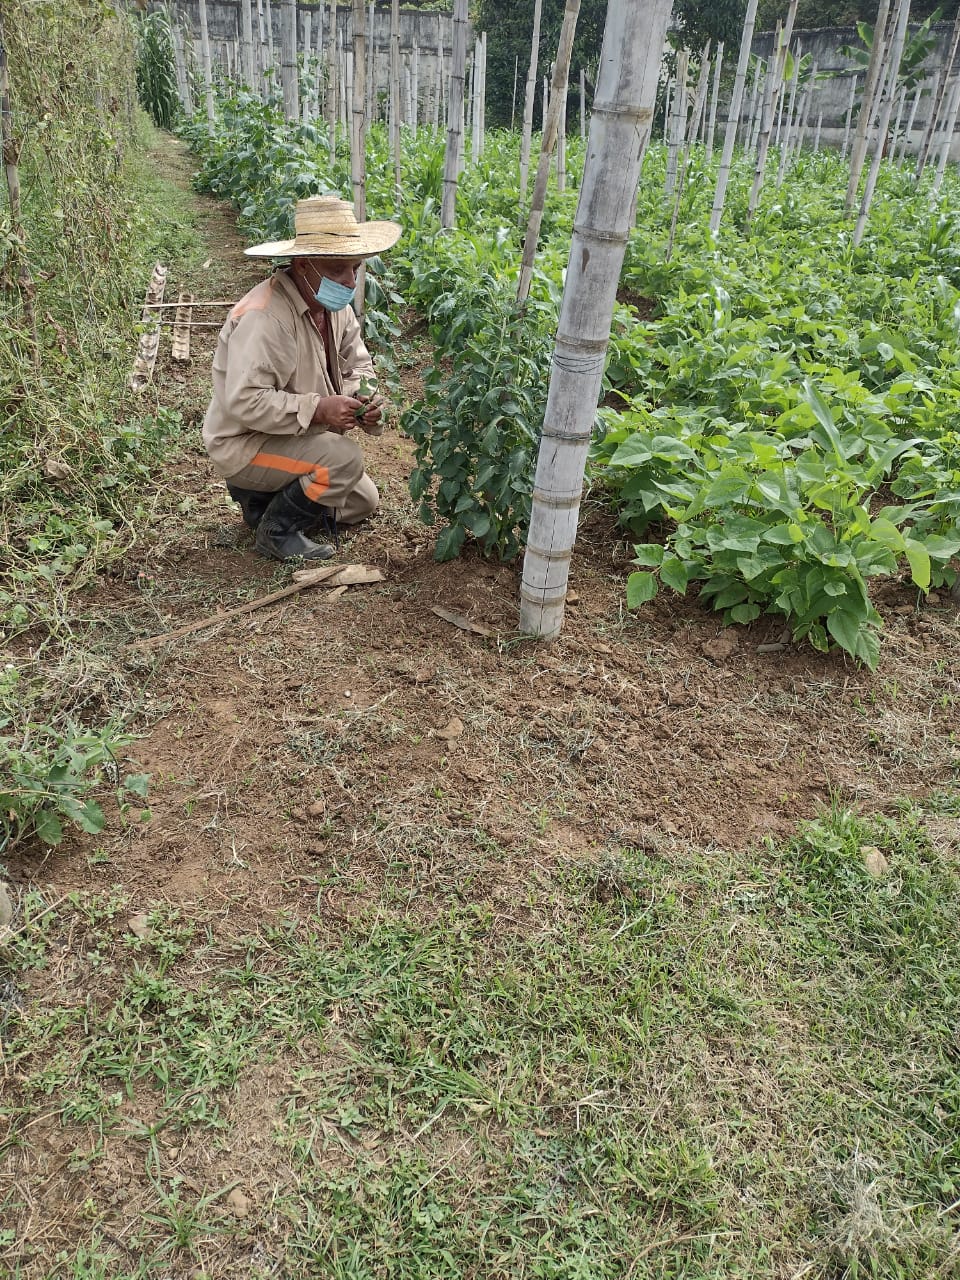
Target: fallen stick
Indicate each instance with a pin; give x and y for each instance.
(181, 330)
(465, 624)
(337, 574)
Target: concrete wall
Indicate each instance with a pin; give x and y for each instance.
(420, 31)
(831, 95)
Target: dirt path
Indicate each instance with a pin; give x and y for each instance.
(353, 742)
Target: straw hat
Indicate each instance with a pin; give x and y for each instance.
(326, 227)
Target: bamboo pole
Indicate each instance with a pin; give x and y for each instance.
(370, 81)
(771, 94)
(513, 100)
(306, 94)
(678, 122)
(901, 17)
(867, 104)
(415, 89)
(703, 81)
(451, 168)
(583, 105)
(806, 104)
(714, 98)
(332, 81)
(950, 124)
(849, 115)
(619, 132)
(756, 105)
(733, 116)
(289, 77)
(527, 133)
(395, 98)
(788, 137)
(550, 130)
(357, 150)
(911, 119)
(207, 65)
(246, 44)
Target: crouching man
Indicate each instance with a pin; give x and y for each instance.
(291, 378)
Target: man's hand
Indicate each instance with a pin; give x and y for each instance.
(338, 413)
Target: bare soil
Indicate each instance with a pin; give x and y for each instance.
(359, 730)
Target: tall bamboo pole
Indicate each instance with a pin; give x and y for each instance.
(950, 124)
(527, 133)
(289, 78)
(714, 98)
(788, 137)
(583, 104)
(733, 116)
(868, 103)
(454, 148)
(911, 119)
(901, 17)
(370, 81)
(246, 44)
(306, 94)
(358, 133)
(561, 72)
(395, 97)
(207, 63)
(700, 97)
(332, 82)
(770, 103)
(849, 116)
(513, 100)
(619, 132)
(678, 121)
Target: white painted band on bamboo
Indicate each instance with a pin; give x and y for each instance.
(605, 237)
(640, 114)
(549, 553)
(558, 500)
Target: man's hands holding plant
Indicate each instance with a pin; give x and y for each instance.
(341, 413)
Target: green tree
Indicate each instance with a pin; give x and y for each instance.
(509, 24)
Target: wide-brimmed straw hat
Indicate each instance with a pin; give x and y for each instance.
(326, 227)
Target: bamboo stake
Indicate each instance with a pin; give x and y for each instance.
(619, 132)
(733, 116)
(751, 111)
(756, 105)
(950, 125)
(551, 128)
(714, 97)
(451, 168)
(901, 17)
(849, 116)
(306, 96)
(513, 100)
(678, 121)
(415, 91)
(371, 95)
(289, 77)
(867, 104)
(911, 118)
(771, 94)
(699, 99)
(527, 134)
(668, 92)
(816, 136)
(395, 98)
(246, 44)
(805, 107)
(785, 149)
(332, 80)
(583, 105)
(207, 68)
(358, 137)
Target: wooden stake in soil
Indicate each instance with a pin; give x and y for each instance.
(867, 104)
(207, 66)
(180, 345)
(454, 149)
(527, 132)
(149, 345)
(733, 116)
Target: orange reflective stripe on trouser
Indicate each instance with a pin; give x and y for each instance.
(316, 486)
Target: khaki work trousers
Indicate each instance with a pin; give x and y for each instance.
(330, 467)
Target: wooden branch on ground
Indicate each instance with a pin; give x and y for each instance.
(338, 575)
(149, 345)
(181, 330)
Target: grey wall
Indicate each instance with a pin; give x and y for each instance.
(832, 95)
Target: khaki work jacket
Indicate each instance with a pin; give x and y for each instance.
(270, 370)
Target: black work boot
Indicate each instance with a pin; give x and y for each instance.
(252, 502)
(280, 531)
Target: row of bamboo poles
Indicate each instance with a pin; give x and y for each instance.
(778, 111)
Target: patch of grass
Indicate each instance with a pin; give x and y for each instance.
(694, 1065)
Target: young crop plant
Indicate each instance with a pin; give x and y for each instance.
(156, 70)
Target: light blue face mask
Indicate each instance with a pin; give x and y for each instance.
(333, 296)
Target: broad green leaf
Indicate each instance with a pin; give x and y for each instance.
(48, 826)
(138, 783)
(648, 554)
(675, 574)
(845, 626)
(449, 543)
(919, 561)
(641, 587)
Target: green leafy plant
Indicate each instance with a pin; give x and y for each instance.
(156, 69)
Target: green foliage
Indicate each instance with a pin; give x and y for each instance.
(156, 70)
(477, 428)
